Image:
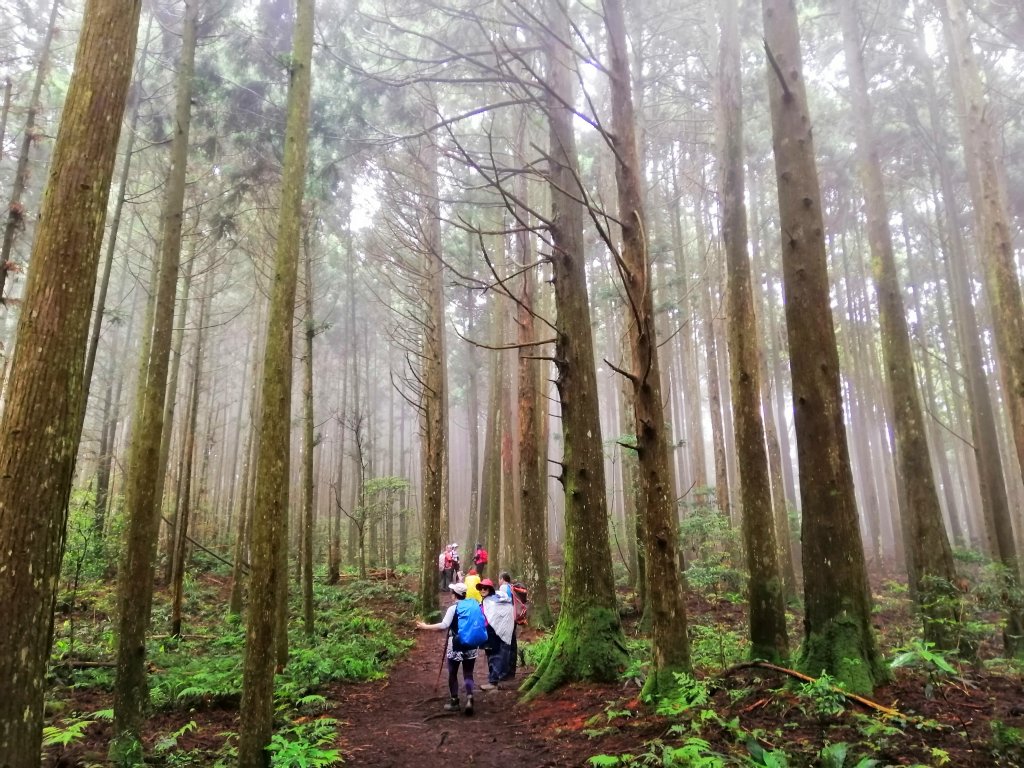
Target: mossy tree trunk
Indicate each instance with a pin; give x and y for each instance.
(665, 603)
(144, 481)
(272, 464)
(587, 642)
(928, 553)
(996, 254)
(766, 598)
(837, 621)
(42, 422)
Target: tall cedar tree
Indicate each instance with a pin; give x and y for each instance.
(838, 637)
(587, 643)
(995, 245)
(532, 453)
(272, 464)
(42, 423)
(766, 599)
(928, 553)
(665, 606)
(143, 481)
(434, 395)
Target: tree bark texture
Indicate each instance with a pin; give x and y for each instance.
(837, 622)
(41, 423)
(272, 465)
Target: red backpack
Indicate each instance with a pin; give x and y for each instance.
(520, 603)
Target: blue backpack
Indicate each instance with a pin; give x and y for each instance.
(472, 628)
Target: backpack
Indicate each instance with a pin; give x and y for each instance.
(471, 627)
(520, 601)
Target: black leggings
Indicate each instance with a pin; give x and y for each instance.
(467, 676)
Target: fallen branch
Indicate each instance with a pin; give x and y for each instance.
(210, 552)
(808, 679)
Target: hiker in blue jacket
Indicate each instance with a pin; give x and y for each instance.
(462, 643)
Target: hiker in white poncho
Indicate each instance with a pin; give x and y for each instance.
(501, 624)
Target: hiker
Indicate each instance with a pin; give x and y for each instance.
(472, 580)
(501, 626)
(450, 565)
(507, 593)
(456, 567)
(464, 621)
(442, 565)
(480, 558)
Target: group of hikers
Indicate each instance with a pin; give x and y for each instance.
(481, 617)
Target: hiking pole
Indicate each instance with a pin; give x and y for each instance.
(444, 653)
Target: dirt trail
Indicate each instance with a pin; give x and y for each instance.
(399, 721)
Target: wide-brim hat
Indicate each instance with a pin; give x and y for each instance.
(458, 589)
(486, 583)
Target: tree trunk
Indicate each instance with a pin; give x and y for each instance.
(837, 625)
(665, 605)
(272, 465)
(143, 482)
(767, 609)
(532, 455)
(434, 397)
(587, 642)
(41, 422)
(308, 445)
(180, 530)
(928, 554)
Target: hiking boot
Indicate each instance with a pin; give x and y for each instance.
(452, 705)
(469, 706)
(487, 686)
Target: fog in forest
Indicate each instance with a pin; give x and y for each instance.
(703, 318)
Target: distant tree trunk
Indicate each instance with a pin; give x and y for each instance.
(473, 424)
(665, 605)
(308, 445)
(143, 481)
(929, 556)
(334, 558)
(244, 528)
(490, 490)
(837, 626)
(434, 398)
(170, 406)
(272, 465)
(587, 642)
(15, 210)
(179, 533)
(5, 110)
(41, 421)
(767, 609)
(711, 357)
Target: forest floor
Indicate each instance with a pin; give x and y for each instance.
(732, 715)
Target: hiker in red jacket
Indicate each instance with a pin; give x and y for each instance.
(480, 559)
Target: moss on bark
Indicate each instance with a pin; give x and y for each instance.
(587, 645)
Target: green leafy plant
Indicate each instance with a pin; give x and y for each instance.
(305, 745)
(822, 697)
(689, 693)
